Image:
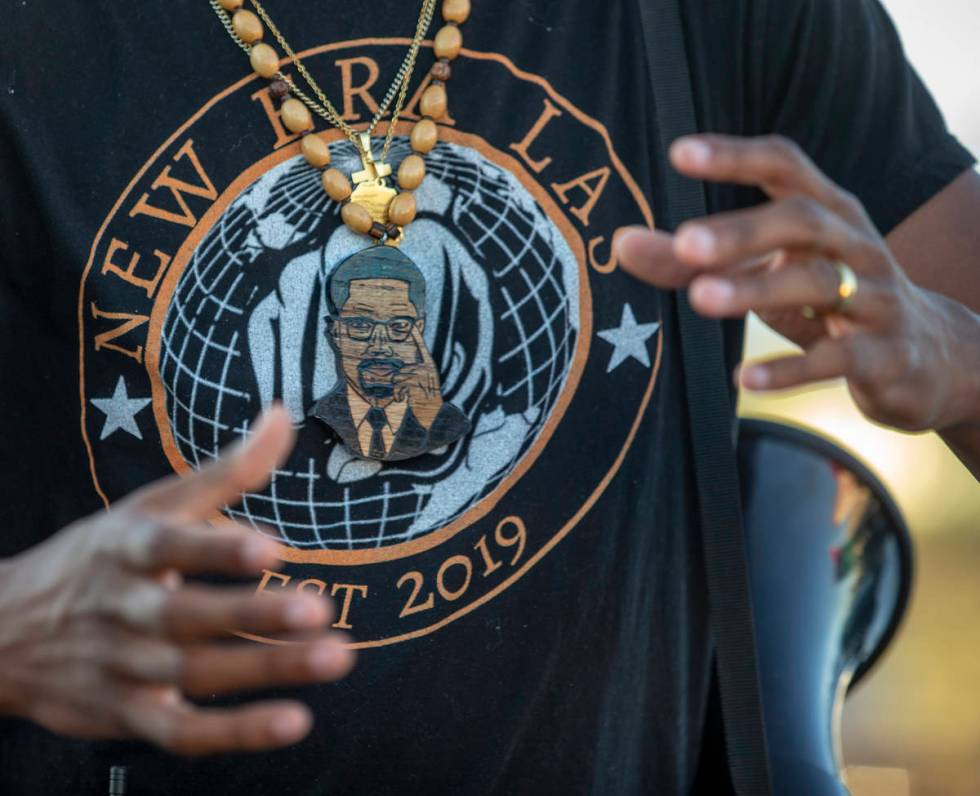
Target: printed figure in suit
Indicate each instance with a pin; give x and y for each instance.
(388, 405)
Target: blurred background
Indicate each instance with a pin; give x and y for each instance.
(913, 727)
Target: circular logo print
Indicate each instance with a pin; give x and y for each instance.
(205, 300)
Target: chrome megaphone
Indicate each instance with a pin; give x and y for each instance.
(830, 562)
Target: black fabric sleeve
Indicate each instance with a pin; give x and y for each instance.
(835, 80)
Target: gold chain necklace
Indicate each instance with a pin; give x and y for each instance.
(324, 107)
(372, 208)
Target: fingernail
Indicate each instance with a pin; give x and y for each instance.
(620, 244)
(323, 658)
(287, 725)
(695, 152)
(697, 242)
(714, 291)
(755, 377)
(300, 614)
(255, 552)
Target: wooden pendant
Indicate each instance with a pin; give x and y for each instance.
(387, 403)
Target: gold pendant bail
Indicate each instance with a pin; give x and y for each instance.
(373, 171)
(365, 139)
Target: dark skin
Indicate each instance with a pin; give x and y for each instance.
(910, 354)
(101, 638)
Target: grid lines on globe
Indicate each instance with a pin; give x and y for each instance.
(245, 326)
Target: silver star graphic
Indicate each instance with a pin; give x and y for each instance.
(629, 340)
(120, 411)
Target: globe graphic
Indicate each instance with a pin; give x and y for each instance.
(245, 327)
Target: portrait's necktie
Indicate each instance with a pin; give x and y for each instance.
(377, 418)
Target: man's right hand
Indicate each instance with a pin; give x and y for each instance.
(100, 637)
(418, 384)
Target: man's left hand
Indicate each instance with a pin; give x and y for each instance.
(911, 357)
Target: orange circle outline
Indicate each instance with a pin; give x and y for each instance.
(624, 173)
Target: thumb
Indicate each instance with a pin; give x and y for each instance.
(243, 467)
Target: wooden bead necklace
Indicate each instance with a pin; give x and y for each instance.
(372, 207)
(387, 403)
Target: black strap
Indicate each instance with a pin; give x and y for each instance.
(712, 427)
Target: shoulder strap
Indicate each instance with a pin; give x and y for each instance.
(712, 427)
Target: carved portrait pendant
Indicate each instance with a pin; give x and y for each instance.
(387, 403)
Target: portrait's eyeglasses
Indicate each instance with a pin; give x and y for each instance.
(360, 328)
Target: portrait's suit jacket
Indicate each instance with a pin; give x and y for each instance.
(411, 439)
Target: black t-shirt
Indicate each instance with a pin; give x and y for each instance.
(530, 601)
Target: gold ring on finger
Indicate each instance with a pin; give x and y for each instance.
(847, 288)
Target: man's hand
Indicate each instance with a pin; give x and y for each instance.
(911, 357)
(100, 638)
(419, 384)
